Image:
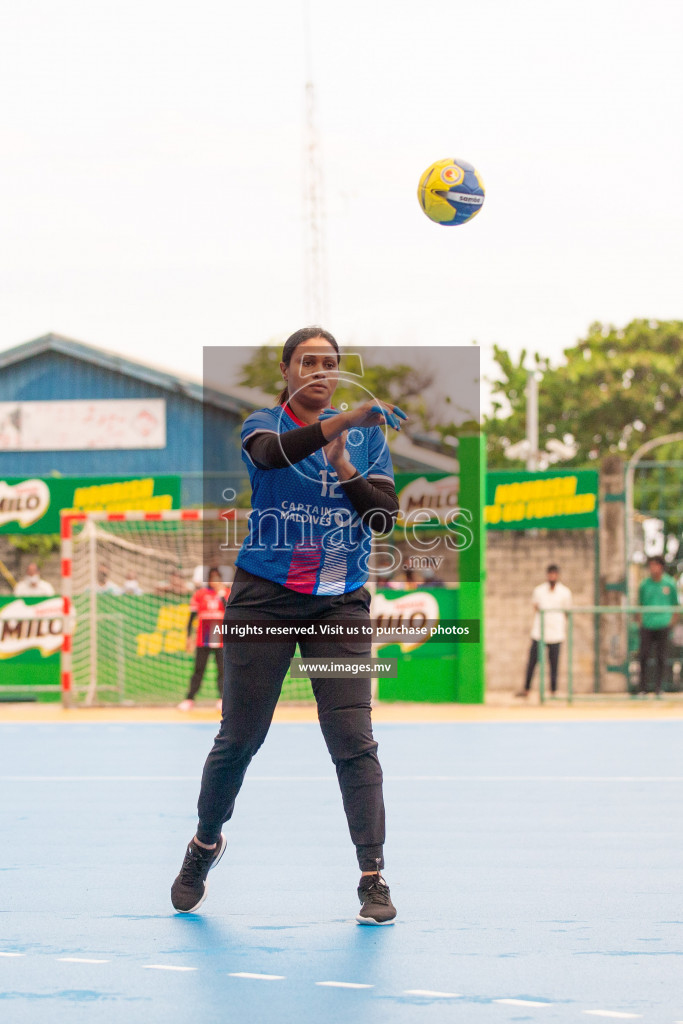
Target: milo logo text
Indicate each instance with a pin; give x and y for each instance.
(24, 503)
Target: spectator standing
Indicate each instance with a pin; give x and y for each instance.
(105, 585)
(656, 590)
(131, 585)
(33, 585)
(174, 586)
(554, 598)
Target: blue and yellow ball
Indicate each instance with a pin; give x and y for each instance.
(451, 192)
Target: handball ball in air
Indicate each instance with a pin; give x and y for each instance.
(451, 192)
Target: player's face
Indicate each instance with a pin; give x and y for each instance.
(312, 373)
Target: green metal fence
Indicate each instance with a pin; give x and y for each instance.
(613, 660)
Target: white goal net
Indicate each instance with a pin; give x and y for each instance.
(128, 579)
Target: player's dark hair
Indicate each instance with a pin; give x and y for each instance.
(304, 334)
(214, 568)
(658, 559)
(553, 568)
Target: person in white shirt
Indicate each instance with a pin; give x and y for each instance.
(554, 598)
(33, 585)
(131, 585)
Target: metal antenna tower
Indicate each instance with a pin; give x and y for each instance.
(315, 257)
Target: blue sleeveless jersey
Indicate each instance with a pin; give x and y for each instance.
(303, 530)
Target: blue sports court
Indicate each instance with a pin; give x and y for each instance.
(536, 868)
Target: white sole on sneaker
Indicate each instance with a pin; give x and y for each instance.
(371, 920)
(224, 843)
(197, 905)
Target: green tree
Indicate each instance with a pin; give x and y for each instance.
(262, 370)
(38, 545)
(615, 389)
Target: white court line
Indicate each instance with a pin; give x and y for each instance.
(98, 778)
(166, 967)
(535, 778)
(613, 1013)
(80, 960)
(258, 977)
(432, 995)
(521, 1002)
(333, 778)
(342, 984)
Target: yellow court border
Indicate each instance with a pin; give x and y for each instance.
(383, 712)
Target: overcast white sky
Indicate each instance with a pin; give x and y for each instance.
(152, 156)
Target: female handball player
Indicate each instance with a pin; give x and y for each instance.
(322, 481)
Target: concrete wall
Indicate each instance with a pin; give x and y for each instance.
(516, 561)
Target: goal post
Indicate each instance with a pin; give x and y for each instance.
(127, 581)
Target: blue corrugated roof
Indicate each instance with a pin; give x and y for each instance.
(408, 456)
(128, 367)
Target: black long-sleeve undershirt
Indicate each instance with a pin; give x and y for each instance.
(275, 451)
(376, 503)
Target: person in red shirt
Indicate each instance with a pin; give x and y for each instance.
(207, 606)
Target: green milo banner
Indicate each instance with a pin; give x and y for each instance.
(31, 631)
(32, 505)
(451, 503)
(555, 499)
(140, 647)
(427, 671)
(427, 497)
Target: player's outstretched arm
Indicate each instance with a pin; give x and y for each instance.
(275, 451)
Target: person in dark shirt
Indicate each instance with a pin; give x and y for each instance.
(656, 591)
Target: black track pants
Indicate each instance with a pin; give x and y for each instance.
(253, 679)
(553, 661)
(653, 643)
(201, 658)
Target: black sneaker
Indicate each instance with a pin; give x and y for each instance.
(373, 892)
(189, 890)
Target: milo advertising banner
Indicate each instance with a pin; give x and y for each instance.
(429, 669)
(32, 505)
(555, 499)
(142, 657)
(425, 499)
(31, 631)
(448, 665)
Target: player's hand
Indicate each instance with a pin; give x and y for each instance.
(373, 413)
(190, 645)
(336, 450)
